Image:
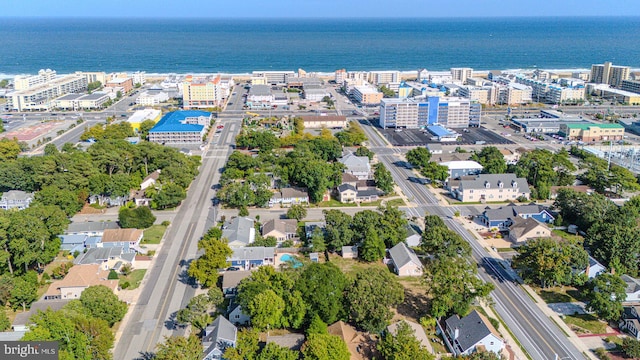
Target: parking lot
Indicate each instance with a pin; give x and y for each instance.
(471, 136)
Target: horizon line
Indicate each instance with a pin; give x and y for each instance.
(304, 17)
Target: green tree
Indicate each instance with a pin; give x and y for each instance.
(179, 347)
(372, 248)
(370, 296)
(145, 127)
(24, 292)
(297, 212)
(382, 178)
(94, 85)
(5, 323)
(631, 347)
(606, 292)
(364, 151)
(386, 92)
(247, 345)
(325, 347)
(205, 268)
(393, 225)
(266, 310)
(317, 240)
(322, 287)
(338, 229)
(317, 326)
(67, 200)
(103, 304)
(170, 195)
(139, 218)
(418, 157)
(491, 160)
(453, 284)
(273, 351)
(9, 149)
(547, 262)
(402, 345)
(441, 241)
(434, 171)
(58, 326)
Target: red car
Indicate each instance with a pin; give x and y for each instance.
(220, 126)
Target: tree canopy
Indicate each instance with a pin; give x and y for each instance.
(491, 160)
(216, 251)
(322, 288)
(605, 293)
(402, 345)
(370, 296)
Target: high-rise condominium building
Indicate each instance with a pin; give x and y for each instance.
(461, 74)
(608, 73)
(201, 92)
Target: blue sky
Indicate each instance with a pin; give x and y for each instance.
(318, 8)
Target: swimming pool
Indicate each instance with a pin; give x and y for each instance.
(295, 263)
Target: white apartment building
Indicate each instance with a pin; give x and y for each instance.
(82, 101)
(274, 77)
(440, 77)
(42, 96)
(450, 112)
(608, 73)
(340, 75)
(152, 98)
(138, 77)
(400, 113)
(514, 94)
(93, 76)
(384, 77)
(461, 74)
(23, 82)
(260, 94)
(455, 112)
(559, 95)
(201, 92)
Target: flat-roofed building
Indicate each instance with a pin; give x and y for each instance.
(631, 86)
(608, 73)
(152, 98)
(140, 116)
(384, 77)
(126, 83)
(316, 95)
(461, 74)
(42, 95)
(559, 95)
(82, 101)
(592, 132)
(201, 92)
(340, 75)
(274, 77)
(413, 114)
(617, 95)
(366, 95)
(260, 94)
(480, 94)
(514, 94)
(93, 76)
(181, 127)
(330, 122)
(403, 113)
(23, 82)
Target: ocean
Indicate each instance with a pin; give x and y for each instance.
(322, 45)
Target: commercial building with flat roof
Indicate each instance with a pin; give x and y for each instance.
(366, 95)
(330, 122)
(152, 98)
(41, 95)
(592, 132)
(181, 127)
(617, 95)
(82, 101)
(142, 115)
(274, 77)
(126, 83)
(631, 86)
(461, 74)
(201, 92)
(413, 114)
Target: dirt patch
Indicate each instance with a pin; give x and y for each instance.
(415, 305)
(88, 210)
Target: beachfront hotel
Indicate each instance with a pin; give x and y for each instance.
(201, 92)
(39, 92)
(453, 112)
(608, 73)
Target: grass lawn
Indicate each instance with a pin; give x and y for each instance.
(351, 265)
(335, 203)
(134, 279)
(559, 294)
(565, 235)
(585, 323)
(154, 234)
(372, 203)
(396, 202)
(506, 249)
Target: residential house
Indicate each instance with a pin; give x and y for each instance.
(462, 168)
(367, 195)
(633, 289)
(630, 321)
(132, 237)
(218, 336)
(21, 320)
(405, 261)
(72, 243)
(109, 201)
(503, 217)
(310, 226)
(91, 228)
(471, 333)
(350, 252)
(289, 196)
(492, 187)
(139, 197)
(594, 268)
(355, 340)
(239, 232)
(414, 235)
(357, 166)
(291, 341)
(150, 180)
(585, 189)
(280, 229)
(523, 230)
(236, 315)
(79, 278)
(347, 193)
(109, 258)
(434, 149)
(247, 258)
(15, 199)
(349, 179)
(231, 280)
(418, 332)
(452, 185)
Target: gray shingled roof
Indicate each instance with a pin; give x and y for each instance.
(633, 284)
(471, 329)
(238, 229)
(511, 211)
(17, 195)
(231, 279)
(401, 255)
(221, 330)
(91, 226)
(522, 226)
(253, 253)
(98, 255)
(355, 163)
(344, 187)
(286, 226)
(494, 179)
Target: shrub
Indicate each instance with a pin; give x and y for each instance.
(166, 223)
(113, 275)
(125, 285)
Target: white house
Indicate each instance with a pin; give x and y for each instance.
(462, 168)
(633, 289)
(237, 316)
(357, 166)
(464, 336)
(594, 268)
(150, 180)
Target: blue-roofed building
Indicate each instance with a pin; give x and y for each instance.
(181, 127)
(72, 243)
